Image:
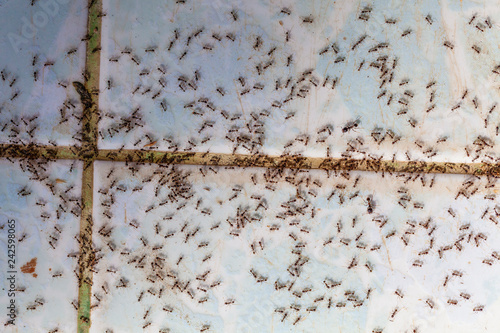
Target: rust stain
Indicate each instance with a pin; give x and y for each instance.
(30, 267)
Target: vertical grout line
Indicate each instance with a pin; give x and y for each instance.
(89, 94)
(87, 257)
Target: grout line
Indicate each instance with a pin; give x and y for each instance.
(297, 162)
(89, 95)
(38, 151)
(237, 160)
(87, 256)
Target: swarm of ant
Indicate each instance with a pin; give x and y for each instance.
(37, 101)
(178, 247)
(181, 97)
(44, 199)
(241, 87)
(177, 242)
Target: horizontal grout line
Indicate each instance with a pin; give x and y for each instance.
(297, 162)
(32, 151)
(239, 160)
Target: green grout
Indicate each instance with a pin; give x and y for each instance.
(89, 94)
(86, 258)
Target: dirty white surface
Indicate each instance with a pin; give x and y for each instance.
(45, 228)
(145, 221)
(152, 97)
(37, 100)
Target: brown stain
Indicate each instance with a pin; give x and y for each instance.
(150, 144)
(30, 267)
